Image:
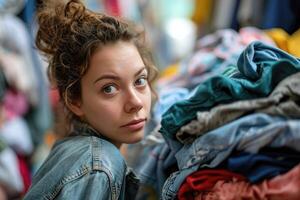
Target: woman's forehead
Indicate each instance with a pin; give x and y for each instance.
(119, 52)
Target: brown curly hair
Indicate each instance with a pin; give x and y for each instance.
(69, 34)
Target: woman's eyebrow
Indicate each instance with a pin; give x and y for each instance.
(140, 71)
(114, 77)
(107, 76)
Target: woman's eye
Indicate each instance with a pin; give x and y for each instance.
(141, 81)
(110, 89)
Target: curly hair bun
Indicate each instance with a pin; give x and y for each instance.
(56, 22)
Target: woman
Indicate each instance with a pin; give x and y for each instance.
(103, 74)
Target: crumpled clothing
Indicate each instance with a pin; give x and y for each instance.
(205, 180)
(282, 101)
(282, 187)
(261, 68)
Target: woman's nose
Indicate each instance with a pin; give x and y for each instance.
(133, 102)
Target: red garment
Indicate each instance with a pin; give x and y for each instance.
(112, 7)
(205, 180)
(282, 187)
(54, 98)
(25, 173)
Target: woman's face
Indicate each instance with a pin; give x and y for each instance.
(116, 97)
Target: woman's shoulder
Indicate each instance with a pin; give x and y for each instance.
(91, 151)
(76, 157)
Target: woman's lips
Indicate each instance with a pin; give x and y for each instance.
(135, 125)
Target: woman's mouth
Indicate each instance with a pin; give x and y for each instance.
(135, 125)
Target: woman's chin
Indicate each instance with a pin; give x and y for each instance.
(135, 139)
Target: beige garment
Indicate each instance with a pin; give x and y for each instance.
(282, 101)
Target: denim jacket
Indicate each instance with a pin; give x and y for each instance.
(83, 166)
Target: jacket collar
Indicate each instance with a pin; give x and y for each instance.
(84, 129)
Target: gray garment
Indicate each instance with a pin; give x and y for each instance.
(154, 138)
(282, 101)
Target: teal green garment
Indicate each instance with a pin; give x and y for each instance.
(261, 68)
(254, 58)
(2, 145)
(3, 85)
(230, 71)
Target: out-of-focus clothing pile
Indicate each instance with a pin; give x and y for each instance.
(25, 113)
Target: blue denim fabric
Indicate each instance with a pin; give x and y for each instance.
(174, 181)
(83, 166)
(272, 65)
(157, 166)
(249, 134)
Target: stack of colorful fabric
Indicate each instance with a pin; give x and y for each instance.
(237, 136)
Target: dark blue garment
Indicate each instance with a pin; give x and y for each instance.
(267, 163)
(234, 22)
(28, 13)
(279, 14)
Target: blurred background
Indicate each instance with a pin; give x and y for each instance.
(191, 41)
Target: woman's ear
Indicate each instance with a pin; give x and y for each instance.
(76, 108)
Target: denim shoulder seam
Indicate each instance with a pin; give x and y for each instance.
(97, 165)
(84, 170)
(67, 179)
